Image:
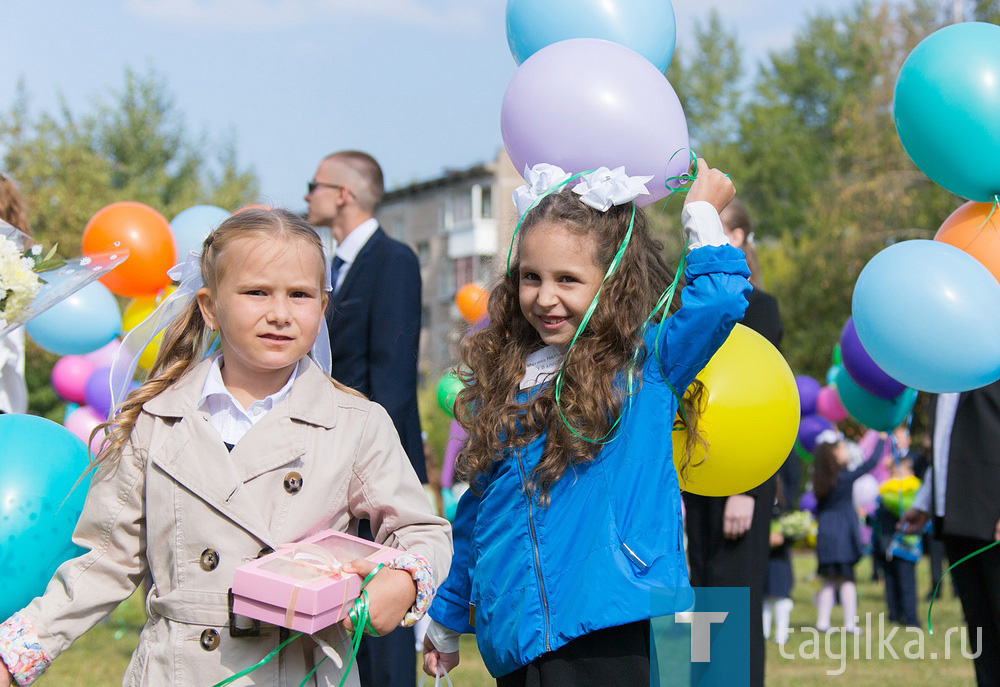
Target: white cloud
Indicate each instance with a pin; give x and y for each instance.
(259, 15)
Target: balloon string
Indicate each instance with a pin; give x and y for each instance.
(996, 204)
(954, 565)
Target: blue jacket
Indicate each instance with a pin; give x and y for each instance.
(542, 576)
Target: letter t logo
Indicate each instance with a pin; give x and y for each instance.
(701, 632)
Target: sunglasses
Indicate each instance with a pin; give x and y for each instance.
(313, 185)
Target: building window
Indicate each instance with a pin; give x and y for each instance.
(446, 283)
(465, 270)
(461, 207)
(486, 207)
(424, 251)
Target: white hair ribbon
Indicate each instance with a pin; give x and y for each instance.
(541, 179)
(828, 436)
(605, 187)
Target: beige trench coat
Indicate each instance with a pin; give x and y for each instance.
(180, 507)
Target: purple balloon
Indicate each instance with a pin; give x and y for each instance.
(809, 428)
(863, 369)
(808, 502)
(98, 391)
(808, 391)
(586, 103)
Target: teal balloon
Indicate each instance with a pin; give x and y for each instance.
(870, 410)
(40, 462)
(191, 226)
(646, 26)
(81, 323)
(831, 374)
(947, 109)
(928, 314)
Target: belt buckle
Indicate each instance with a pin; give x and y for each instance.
(239, 632)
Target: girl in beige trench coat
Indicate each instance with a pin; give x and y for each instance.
(178, 506)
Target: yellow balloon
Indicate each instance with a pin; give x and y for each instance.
(137, 311)
(749, 417)
(142, 307)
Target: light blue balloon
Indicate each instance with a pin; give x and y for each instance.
(929, 315)
(947, 108)
(645, 26)
(870, 410)
(79, 324)
(40, 462)
(191, 226)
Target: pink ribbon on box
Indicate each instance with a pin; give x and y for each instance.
(322, 561)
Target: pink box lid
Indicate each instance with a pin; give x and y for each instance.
(273, 578)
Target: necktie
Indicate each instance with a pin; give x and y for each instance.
(335, 271)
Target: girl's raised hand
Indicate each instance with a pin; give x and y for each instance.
(391, 593)
(711, 185)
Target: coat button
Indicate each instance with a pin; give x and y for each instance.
(209, 559)
(265, 551)
(210, 640)
(293, 482)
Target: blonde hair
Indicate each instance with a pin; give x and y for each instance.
(735, 216)
(186, 340)
(590, 399)
(13, 209)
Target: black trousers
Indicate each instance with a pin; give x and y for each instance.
(977, 582)
(613, 656)
(715, 561)
(901, 590)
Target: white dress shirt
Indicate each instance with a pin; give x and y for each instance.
(230, 419)
(348, 249)
(944, 422)
(13, 391)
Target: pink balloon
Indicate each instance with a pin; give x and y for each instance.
(69, 377)
(829, 406)
(586, 103)
(82, 422)
(105, 355)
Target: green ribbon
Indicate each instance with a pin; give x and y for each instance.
(930, 607)
(996, 204)
(360, 616)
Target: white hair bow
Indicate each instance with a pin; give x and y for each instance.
(605, 187)
(541, 179)
(828, 436)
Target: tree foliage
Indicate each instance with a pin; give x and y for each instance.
(133, 146)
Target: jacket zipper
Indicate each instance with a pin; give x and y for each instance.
(534, 544)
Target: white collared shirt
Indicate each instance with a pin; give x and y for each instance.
(944, 422)
(348, 249)
(230, 419)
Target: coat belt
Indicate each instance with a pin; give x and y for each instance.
(192, 607)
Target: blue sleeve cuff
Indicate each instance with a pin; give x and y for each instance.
(716, 259)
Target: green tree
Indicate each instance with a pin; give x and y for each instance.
(134, 146)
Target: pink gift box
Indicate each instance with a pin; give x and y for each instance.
(295, 587)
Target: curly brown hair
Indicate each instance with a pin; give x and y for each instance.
(590, 400)
(186, 340)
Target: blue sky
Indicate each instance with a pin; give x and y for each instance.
(418, 83)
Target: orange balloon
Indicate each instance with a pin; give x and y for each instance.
(967, 228)
(251, 207)
(145, 234)
(471, 300)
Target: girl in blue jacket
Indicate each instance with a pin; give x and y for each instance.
(574, 515)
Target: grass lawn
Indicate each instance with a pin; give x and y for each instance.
(99, 658)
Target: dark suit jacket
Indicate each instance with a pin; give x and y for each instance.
(374, 322)
(972, 496)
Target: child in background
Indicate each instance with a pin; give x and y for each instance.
(900, 552)
(215, 461)
(570, 400)
(838, 536)
(778, 602)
